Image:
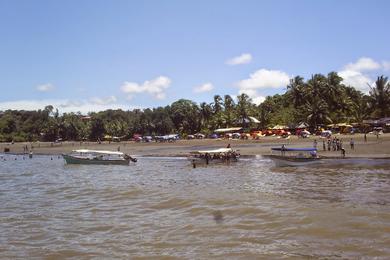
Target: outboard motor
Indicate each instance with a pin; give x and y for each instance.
(131, 158)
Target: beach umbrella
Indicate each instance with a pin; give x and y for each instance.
(302, 125)
(279, 127)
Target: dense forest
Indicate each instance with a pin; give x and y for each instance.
(320, 100)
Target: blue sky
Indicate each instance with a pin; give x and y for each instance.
(94, 55)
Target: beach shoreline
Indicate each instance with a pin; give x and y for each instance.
(373, 148)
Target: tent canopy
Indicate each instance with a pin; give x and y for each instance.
(280, 127)
(339, 125)
(302, 125)
(254, 120)
(226, 130)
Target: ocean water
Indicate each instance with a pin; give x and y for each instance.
(164, 208)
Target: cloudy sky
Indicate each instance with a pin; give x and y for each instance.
(93, 55)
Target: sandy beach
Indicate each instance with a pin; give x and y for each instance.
(372, 148)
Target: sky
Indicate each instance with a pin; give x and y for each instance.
(94, 55)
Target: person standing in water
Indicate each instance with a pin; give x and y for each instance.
(352, 143)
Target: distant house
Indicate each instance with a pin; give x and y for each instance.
(85, 118)
(377, 122)
(247, 121)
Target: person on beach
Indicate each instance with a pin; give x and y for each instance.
(283, 149)
(352, 144)
(329, 142)
(365, 137)
(323, 145)
(315, 143)
(343, 152)
(207, 157)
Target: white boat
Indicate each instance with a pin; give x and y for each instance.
(294, 156)
(221, 155)
(85, 156)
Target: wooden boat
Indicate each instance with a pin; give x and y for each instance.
(85, 156)
(221, 155)
(294, 156)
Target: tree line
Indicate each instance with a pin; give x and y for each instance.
(320, 100)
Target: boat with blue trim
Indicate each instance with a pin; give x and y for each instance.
(283, 156)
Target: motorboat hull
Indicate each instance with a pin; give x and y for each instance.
(78, 160)
(281, 161)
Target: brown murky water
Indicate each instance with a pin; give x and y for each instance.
(163, 207)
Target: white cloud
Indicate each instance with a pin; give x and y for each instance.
(363, 64)
(360, 73)
(206, 87)
(155, 87)
(264, 78)
(103, 101)
(45, 87)
(63, 105)
(356, 79)
(242, 59)
(258, 100)
(254, 95)
(386, 65)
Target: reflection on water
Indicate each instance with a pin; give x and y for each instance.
(164, 207)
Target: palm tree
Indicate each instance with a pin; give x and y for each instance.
(229, 110)
(296, 90)
(243, 108)
(217, 105)
(206, 113)
(380, 96)
(331, 90)
(318, 112)
(316, 107)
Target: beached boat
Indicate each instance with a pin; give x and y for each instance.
(85, 156)
(294, 156)
(221, 155)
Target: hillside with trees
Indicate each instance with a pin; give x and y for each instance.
(320, 100)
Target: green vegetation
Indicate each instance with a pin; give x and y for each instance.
(318, 101)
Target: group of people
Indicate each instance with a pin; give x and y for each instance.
(334, 144)
(220, 156)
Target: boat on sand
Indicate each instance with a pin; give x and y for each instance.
(85, 156)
